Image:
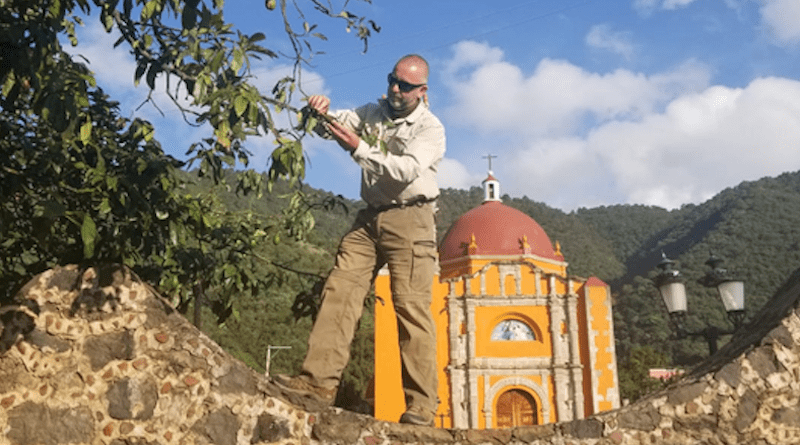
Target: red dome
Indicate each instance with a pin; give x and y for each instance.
(498, 230)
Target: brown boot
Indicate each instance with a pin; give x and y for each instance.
(418, 416)
(301, 387)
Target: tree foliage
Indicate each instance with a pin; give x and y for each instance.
(84, 185)
(634, 372)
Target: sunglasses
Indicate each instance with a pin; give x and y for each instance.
(402, 85)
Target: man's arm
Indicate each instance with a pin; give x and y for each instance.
(346, 138)
(424, 149)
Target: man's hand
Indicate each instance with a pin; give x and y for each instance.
(343, 135)
(319, 103)
(346, 138)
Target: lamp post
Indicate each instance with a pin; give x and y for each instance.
(673, 292)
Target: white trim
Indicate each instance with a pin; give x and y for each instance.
(575, 353)
(511, 365)
(519, 257)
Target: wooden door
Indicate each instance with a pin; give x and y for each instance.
(515, 408)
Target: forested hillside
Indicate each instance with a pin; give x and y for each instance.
(754, 227)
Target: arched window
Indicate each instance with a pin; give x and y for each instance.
(516, 408)
(512, 330)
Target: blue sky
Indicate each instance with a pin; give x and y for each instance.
(584, 103)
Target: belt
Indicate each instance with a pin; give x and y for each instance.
(418, 201)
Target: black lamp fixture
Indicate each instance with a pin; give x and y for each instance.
(673, 292)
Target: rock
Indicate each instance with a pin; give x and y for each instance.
(270, 429)
(34, 424)
(644, 418)
(132, 399)
(219, 427)
(105, 348)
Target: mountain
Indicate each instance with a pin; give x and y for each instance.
(754, 227)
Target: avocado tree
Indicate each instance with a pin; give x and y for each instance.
(82, 184)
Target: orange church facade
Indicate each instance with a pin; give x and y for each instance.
(519, 340)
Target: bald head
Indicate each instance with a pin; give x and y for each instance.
(415, 66)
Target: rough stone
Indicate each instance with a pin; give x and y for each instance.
(105, 348)
(416, 434)
(219, 427)
(616, 437)
(342, 425)
(43, 340)
(238, 379)
(132, 441)
(686, 393)
(531, 433)
(31, 423)
(644, 418)
(270, 429)
(372, 440)
(12, 373)
(747, 410)
(180, 362)
(696, 423)
(159, 312)
(763, 361)
(498, 437)
(730, 374)
(787, 416)
(230, 404)
(584, 429)
(132, 399)
(780, 335)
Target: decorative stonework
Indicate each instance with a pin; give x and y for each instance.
(133, 371)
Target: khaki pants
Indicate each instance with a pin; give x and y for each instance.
(405, 239)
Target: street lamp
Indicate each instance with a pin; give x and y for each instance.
(673, 292)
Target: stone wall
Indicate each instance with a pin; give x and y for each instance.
(110, 362)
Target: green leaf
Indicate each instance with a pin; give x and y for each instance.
(89, 236)
(86, 132)
(108, 22)
(140, 70)
(240, 105)
(105, 207)
(189, 18)
(149, 9)
(238, 60)
(151, 76)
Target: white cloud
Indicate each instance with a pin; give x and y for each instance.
(113, 67)
(675, 4)
(559, 97)
(782, 19)
(453, 174)
(602, 37)
(572, 138)
(646, 7)
(704, 142)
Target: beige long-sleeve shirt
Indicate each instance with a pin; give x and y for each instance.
(414, 147)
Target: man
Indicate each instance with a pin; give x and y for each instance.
(398, 143)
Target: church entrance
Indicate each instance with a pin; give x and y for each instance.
(515, 408)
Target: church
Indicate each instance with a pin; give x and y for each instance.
(519, 340)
